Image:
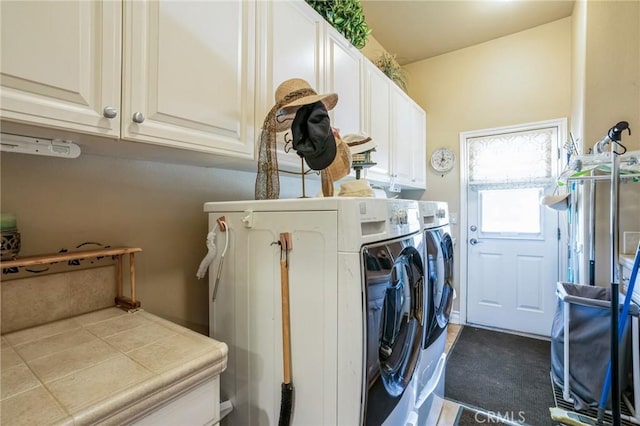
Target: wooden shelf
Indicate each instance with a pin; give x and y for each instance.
(47, 259)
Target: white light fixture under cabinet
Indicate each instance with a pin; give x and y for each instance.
(38, 146)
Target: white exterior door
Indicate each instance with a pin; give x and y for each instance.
(512, 272)
(512, 246)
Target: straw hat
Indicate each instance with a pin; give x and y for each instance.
(339, 168)
(285, 115)
(359, 143)
(356, 188)
(556, 202)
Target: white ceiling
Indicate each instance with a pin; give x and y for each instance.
(420, 29)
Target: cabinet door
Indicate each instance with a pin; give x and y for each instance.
(342, 72)
(377, 119)
(247, 316)
(419, 176)
(188, 73)
(291, 47)
(402, 137)
(61, 64)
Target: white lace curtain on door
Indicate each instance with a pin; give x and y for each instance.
(511, 160)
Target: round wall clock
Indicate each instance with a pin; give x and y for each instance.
(443, 160)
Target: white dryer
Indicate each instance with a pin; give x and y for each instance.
(356, 283)
(437, 251)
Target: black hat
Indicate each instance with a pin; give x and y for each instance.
(313, 137)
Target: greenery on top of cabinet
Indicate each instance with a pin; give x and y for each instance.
(388, 65)
(346, 16)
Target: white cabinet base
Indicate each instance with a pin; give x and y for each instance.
(199, 406)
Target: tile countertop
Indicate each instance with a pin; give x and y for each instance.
(107, 366)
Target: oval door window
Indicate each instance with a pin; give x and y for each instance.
(402, 322)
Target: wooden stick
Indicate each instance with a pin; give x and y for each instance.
(286, 329)
(119, 276)
(64, 257)
(132, 277)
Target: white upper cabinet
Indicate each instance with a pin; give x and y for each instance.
(61, 64)
(342, 76)
(377, 114)
(187, 73)
(419, 175)
(398, 127)
(291, 46)
(296, 42)
(187, 70)
(402, 134)
(195, 75)
(408, 141)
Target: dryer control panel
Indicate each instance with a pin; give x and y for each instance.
(404, 216)
(434, 213)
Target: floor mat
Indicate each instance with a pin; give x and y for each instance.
(501, 373)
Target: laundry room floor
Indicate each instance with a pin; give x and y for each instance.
(450, 409)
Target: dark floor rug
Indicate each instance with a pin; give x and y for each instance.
(501, 373)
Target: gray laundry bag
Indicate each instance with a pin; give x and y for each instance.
(588, 308)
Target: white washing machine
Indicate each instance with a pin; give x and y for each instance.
(437, 251)
(358, 318)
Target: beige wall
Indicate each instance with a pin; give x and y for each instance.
(606, 89)
(520, 78)
(61, 203)
(373, 49)
(612, 66)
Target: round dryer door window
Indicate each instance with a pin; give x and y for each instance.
(439, 260)
(394, 275)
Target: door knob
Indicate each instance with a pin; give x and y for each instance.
(109, 112)
(473, 241)
(138, 117)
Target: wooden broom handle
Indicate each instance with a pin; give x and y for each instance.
(286, 328)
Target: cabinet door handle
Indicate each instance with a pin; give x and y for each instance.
(138, 117)
(109, 112)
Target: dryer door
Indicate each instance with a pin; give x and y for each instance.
(439, 258)
(394, 287)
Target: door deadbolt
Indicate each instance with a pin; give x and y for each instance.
(473, 228)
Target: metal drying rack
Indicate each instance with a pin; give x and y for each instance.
(577, 172)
